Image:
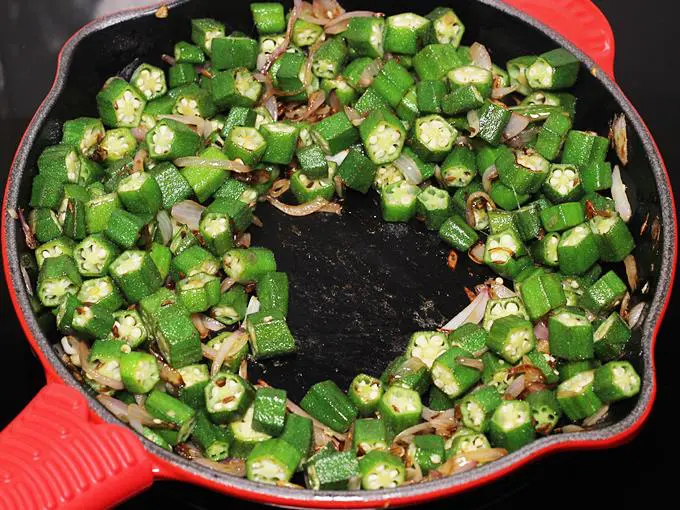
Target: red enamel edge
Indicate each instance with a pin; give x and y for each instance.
(580, 21)
(164, 469)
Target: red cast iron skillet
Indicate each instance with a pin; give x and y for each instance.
(358, 285)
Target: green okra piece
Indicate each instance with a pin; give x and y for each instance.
(568, 369)
(466, 440)
(170, 139)
(136, 274)
(399, 408)
(452, 377)
(328, 404)
(214, 441)
(470, 337)
(129, 327)
(305, 189)
(411, 373)
(392, 82)
(281, 140)
(198, 292)
(312, 161)
(234, 51)
(432, 138)
(191, 261)
(92, 321)
(429, 95)
(57, 278)
(139, 371)
(60, 163)
(238, 116)
(248, 264)
(357, 171)
(236, 354)
(571, 336)
(305, 33)
(172, 184)
(194, 101)
(298, 432)
(605, 294)
(331, 470)
(383, 136)
(272, 461)
(552, 135)
(577, 250)
(545, 410)
(269, 411)
(269, 17)
(269, 335)
(246, 144)
(196, 378)
(369, 101)
(613, 236)
(446, 27)
(546, 364)
(204, 30)
(104, 359)
(46, 191)
(583, 148)
(235, 87)
(398, 201)
(140, 193)
(522, 170)
(101, 292)
(227, 396)
(564, 216)
(366, 36)
(231, 307)
(176, 335)
(187, 53)
(381, 470)
(182, 239)
(272, 291)
(407, 109)
(369, 434)
(541, 294)
(511, 337)
(329, 58)
(93, 255)
(553, 70)
(55, 248)
(434, 206)
(611, 337)
(493, 118)
(434, 61)
(596, 176)
(457, 233)
(481, 79)
(120, 104)
(462, 100)
(149, 81)
(502, 307)
(563, 184)
(502, 250)
(511, 425)
(478, 406)
(365, 392)
(167, 408)
(244, 437)
(84, 133)
(438, 400)
(405, 33)
(238, 212)
(577, 397)
(459, 168)
(617, 380)
(527, 221)
(427, 346)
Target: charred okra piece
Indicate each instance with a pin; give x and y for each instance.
(511, 426)
(365, 393)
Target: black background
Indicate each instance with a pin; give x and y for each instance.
(31, 33)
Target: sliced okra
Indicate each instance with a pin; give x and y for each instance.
(99, 210)
(234, 51)
(305, 189)
(139, 371)
(383, 136)
(365, 36)
(434, 61)
(470, 337)
(248, 264)
(381, 470)
(170, 139)
(305, 33)
(611, 337)
(545, 410)
(605, 294)
(281, 140)
(615, 381)
(272, 291)
(235, 87)
(563, 216)
(433, 138)
(477, 407)
(298, 432)
(552, 135)
(120, 104)
(204, 30)
(369, 434)
(404, 33)
(272, 461)
(331, 470)
(571, 336)
(101, 292)
(93, 321)
(427, 346)
(269, 335)
(198, 292)
(149, 81)
(522, 170)
(434, 206)
(365, 392)
(329, 58)
(452, 377)
(60, 163)
(405, 372)
(167, 408)
(136, 274)
(58, 277)
(387, 174)
(246, 144)
(511, 337)
(446, 27)
(399, 408)
(577, 397)
(392, 82)
(466, 440)
(583, 148)
(502, 307)
(188, 53)
(227, 396)
(553, 70)
(398, 201)
(55, 248)
(563, 184)
(476, 76)
(511, 425)
(577, 250)
(614, 238)
(105, 356)
(245, 438)
(541, 294)
(85, 133)
(328, 404)
(493, 117)
(457, 233)
(459, 168)
(193, 101)
(129, 328)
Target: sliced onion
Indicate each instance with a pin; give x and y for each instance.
(227, 284)
(116, 407)
(83, 353)
(501, 92)
(279, 187)
(596, 417)
(272, 107)
(635, 315)
(334, 102)
(489, 175)
(253, 307)
(484, 455)
(188, 213)
(571, 428)
(541, 330)
(220, 164)
(407, 435)
(168, 59)
(501, 291)
(515, 388)
(204, 127)
(257, 221)
(243, 370)
(477, 364)
(164, 226)
(208, 352)
(340, 23)
(472, 313)
(198, 324)
(316, 99)
(455, 464)
(471, 205)
(319, 204)
(524, 138)
(327, 9)
(296, 409)
(211, 324)
(139, 133)
(29, 236)
(230, 347)
(619, 195)
(370, 72)
(339, 186)
(339, 157)
(409, 168)
(473, 123)
(480, 56)
(354, 116)
(631, 271)
(233, 466)
(619, 137)
(476, 253)
(515, 126)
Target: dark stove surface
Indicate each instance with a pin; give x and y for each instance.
(31, 34)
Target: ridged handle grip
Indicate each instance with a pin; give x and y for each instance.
(52, 456)
(580, 21)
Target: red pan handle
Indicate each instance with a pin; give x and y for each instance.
(580, 21)
(52, 456)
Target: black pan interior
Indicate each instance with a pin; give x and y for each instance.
(359, 286)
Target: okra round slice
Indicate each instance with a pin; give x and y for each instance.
(427, 346)
(577, 250)
(545, 409)
(511, 426)
(227, 396)
(369, 434)
(55, 248)
(213, 439)
(306, 189)
(381, 470)
(119, 104)
(84, 133)
(452, 377)
(136, 274)
(244, 436)
(427, 451)
(100, 291)
(502, 247)
(433, 138)
(615, 381)
(480, 78)
(477, 407)
(170, 139)
(386, 174)
(248, 264)
(383, 136)
(433, 206)
(611, 337)
(398, 201)
(94, 254)
(545, 250)
(139, 372)
(198, 292)
(231, 307)
(563, 184)
(502, 307)
(577, 397)
(447, 28)
(104, 357)
(511, 338)
(129, 328)
(523, 170)
(399, 408)
(466, 440)
(614, 237)
(246, 144)
(459, 168)
(149, 81)
(272, 461)
(58, 277)
(365, 392)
